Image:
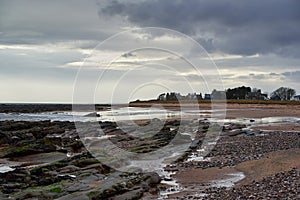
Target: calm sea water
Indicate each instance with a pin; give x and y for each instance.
(115, 114)
(135, 113)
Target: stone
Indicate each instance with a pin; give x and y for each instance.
(93, 114)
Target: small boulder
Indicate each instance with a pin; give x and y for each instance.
(93, 114)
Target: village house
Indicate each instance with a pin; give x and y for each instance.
(177, 96)
(218, 95)
(207, 96)
(275, 97)
(296, 98)
(256, 95)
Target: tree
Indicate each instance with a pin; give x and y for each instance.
(168, 97)
(237, 93)
(284, 93)
(161, 97)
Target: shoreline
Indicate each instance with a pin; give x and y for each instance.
(235, 110)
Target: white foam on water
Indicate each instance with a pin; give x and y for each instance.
(100, 137)
(114, 114)
(171, 190)
(195, 157)
(259, 121)
(4, 169)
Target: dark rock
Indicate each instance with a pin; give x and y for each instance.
(153, 179)
(195, 144)
(168, 179)
(93, 114)
(83, 162)
(171, 168)
(251, 132)
(69, 169)
(130, 195)
(236, 132)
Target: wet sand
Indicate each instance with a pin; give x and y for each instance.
(259, 111)
(269, 165)
(254, 170)
(282, 127)
(197, 181)
(200, 176)
(235, 110)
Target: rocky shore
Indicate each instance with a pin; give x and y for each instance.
(283, 185)
(268, 159)
(48, 160)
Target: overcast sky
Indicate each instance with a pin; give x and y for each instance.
(45, 44)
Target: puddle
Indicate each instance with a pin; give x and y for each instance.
(256, 121)
(30, 161)
(228, 182)
(41, 158)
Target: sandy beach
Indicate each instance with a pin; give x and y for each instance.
(234, 110)
(260, 111)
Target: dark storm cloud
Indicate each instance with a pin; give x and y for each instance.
(235, 27)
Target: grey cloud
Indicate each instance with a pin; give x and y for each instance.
(236, 27)
(126, 55)
(289, 77)
(36, 64)
(269, 63)
(258, 76)
(255, 76)
(292, 76)
(274, 74)
(294, 73)
(40, 21)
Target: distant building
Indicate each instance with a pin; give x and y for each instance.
(172, 96)
(177, 96)
(199, 96)
(256, 95)
(275, 97)
(162, 97)
(207, 96)
(221, 95)
(193, 96)
(296, 98)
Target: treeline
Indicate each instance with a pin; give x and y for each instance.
(282, 93)
(243, 92)
(238, 93)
